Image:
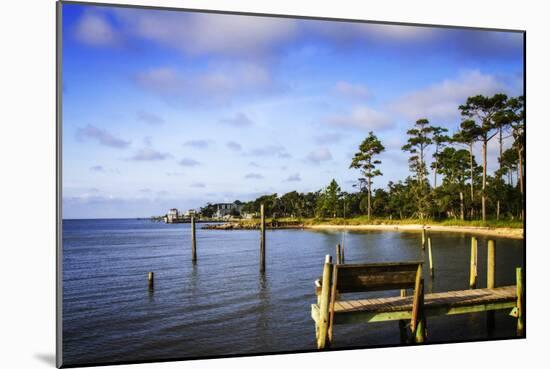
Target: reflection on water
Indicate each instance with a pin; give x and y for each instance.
(223, 305)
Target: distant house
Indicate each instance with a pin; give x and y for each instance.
(189, 213)
(225, 210)
(172, 216)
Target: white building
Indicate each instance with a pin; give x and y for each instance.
(224, 210)
(172, 216)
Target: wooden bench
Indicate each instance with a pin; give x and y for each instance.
(339, 279)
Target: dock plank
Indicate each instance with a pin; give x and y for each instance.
(438, 300)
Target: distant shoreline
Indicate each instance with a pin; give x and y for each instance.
(515, 233)
(506, 232)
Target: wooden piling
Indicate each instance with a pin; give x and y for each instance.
(519, 303)
(151, 279)
(262, 238)
(338, 254)
(473, 263)
(403, 338)
(491, 264)
(323, 322)
(343, 253)
(423, 238)
(193, 240)
(430, 257)
(490, 316)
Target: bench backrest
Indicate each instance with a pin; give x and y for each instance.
(375, 277)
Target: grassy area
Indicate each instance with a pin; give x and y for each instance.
(382, 221)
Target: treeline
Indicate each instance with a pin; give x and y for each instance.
(461, 187)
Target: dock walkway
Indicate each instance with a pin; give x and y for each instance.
(410, 311)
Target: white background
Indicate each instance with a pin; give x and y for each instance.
(27, 187)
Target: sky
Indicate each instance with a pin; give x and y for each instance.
(166, 109)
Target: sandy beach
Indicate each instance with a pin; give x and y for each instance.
(516, 233)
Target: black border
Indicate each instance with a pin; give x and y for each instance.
(59, 220)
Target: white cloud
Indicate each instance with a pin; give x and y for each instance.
(103, 137)
(188, 162)
(294, 178)
(362, 117)
(271, 150)
(197, 144)
(199, 34)
(219, 84)
(239, 120)
(149, 154)
(253, 176)
(319, 155)
(149, 118)
(328, 138)
(235, 146)
(352, 90)
(94, 29)
(441, 100)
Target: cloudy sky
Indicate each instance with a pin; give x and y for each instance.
(169, 109)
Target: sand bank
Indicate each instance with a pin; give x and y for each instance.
(516, 233)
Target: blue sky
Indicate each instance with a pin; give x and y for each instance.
(169, 109)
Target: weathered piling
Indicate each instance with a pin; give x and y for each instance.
(193, 240)
(473, 263)
(262, 238)
(322, 328)
(151, 279)
(343, 253)
(403, 323)
(430, 257)
(519, 303)
(418, 317)
(338, 254)
(490, 316)
(491, 264)
(423, 238)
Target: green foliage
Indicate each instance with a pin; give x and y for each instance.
(456, 200)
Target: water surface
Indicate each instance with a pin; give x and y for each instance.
(223, 305)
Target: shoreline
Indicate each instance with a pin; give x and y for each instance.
(515, 233)
(506, 232)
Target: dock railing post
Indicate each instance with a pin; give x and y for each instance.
(322, 323)
(262, 238)
(519, 303)
(430, 257)
(473, 263)
(193, 240)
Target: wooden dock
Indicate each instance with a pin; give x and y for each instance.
(435, 304)
(410, 311)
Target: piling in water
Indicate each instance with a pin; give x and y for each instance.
(490, 318)
(430, 257)
(473, 263)
(519, 302)
(338, 254)
(193, 240)
(491, 264)
(423, 238)
(262, 238)
(343, 253)
(322, 328)
(151, 279)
